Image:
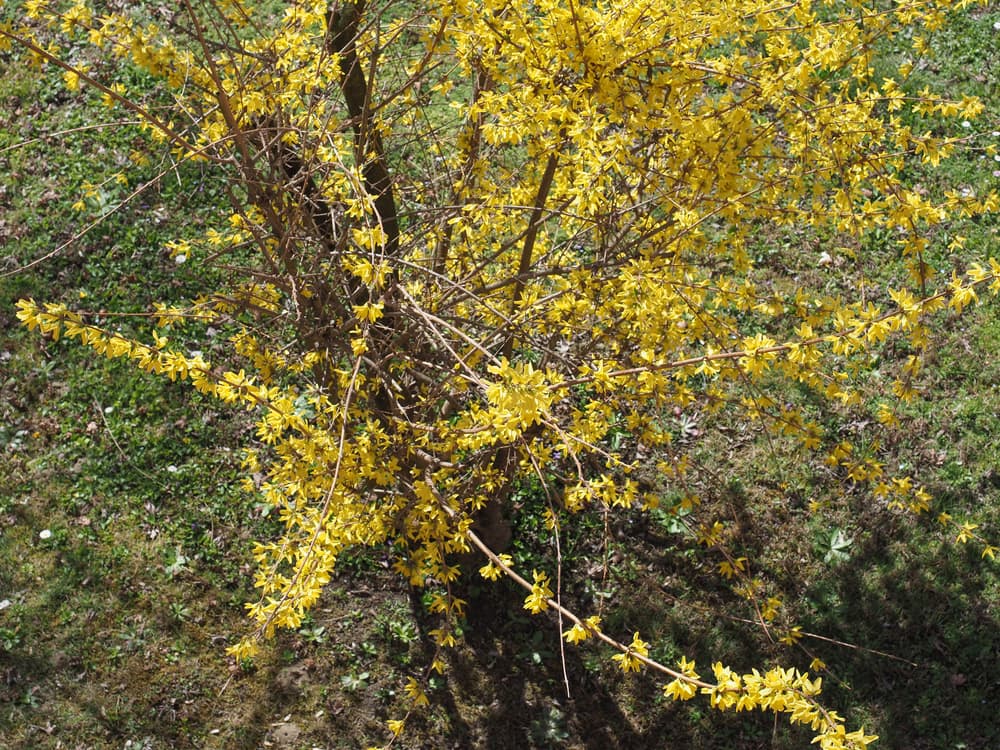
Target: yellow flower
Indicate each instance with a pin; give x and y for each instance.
(490, 571)
(537, 600)
(417, 695)
(792, 636)
(680, 690)
(687, 667)
(245, 649)
(629, 661)
(582, 630)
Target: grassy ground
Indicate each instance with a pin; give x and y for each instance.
(125, 539)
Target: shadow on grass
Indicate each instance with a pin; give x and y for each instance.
(508, 689)
(934, 605)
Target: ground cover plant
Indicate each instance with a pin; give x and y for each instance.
(608, 313)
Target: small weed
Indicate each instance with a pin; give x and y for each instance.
(133, 638)
(174, 654)
(179, 564)
(315, 634)
(10, 638)
(535, 650)
(397, 631)
(355, 681)
(30, 698)
(549, 729)
(179, 612)
(837, 547)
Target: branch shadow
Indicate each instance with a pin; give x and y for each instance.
(935, 605)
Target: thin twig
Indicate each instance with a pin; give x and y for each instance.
(121, 452)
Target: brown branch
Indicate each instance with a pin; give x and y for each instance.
(527, 249)
(343, 22)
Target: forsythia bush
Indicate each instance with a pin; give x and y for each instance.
(474, 242)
